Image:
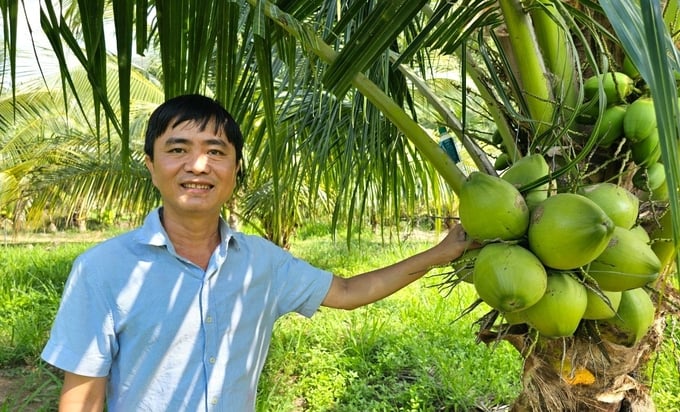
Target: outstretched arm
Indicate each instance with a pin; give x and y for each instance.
(82, 394)
(352, 292)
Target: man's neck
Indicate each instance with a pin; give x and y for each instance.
(194, 237)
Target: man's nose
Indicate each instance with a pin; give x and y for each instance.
(197, 163)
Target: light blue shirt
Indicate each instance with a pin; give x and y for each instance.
(170, 336)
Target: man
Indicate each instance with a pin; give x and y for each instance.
(177, 315)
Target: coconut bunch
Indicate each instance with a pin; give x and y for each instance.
(554, 260)
(642, 136)
(629, 119)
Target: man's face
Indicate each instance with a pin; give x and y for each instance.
(195, 171)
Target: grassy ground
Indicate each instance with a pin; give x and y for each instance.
(408, 352)
(404, 353)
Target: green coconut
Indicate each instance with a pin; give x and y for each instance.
(640, 120)
(560, 310)
(633, 318)
(514, 318)
(660, 194)
(650, 177)
(616, 85)
(527, 170)
(502, 161)
(568, 231)
(491, 208)
(647, 151)
(641, 233)
(508, 277)
(626, 263)
(618, 203)
(611, 125)
(601, 304)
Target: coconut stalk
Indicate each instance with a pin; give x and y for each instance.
(449, 171)
(477, 155)
(474, 72)
(553, 41)
(530, 65)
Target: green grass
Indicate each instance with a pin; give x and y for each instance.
(408, 352)
(31, 282)
(404, 353)
(664, 369)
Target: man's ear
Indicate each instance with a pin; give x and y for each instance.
(148, 162)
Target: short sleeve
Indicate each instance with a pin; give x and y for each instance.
(303, 286)
(82, 339)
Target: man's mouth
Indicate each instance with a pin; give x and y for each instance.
(200, 186)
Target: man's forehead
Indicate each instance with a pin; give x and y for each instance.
(209, 128)
(193, 139)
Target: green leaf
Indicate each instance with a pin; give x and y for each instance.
(647, 42)
(375, 35)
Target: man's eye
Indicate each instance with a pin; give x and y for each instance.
(215, 152)
(176, 150)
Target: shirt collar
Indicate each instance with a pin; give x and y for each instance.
(153, 233)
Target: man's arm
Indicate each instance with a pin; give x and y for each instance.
(352, 292)
(82, 393)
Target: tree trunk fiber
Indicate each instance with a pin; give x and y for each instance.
(584, 373)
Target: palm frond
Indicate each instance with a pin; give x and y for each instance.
(657, 62)
(9, 10)
(376, 33)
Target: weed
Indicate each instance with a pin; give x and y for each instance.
(37, 389)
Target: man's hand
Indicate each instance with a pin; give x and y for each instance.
(455, 244)
(350, 293)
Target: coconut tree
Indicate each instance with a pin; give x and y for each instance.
(530, 63)
(52, 165)
(261, 94)
(568, 374)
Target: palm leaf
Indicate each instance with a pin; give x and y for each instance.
(378, 30)
(647, 42)
(123, 12)
(57, 164)
(9, 9)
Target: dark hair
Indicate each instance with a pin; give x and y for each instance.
(196, 108)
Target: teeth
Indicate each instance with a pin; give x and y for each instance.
(196, 186)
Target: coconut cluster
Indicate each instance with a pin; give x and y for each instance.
(552, 260)
(628, 120)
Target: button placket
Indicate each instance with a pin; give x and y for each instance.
(210, 328)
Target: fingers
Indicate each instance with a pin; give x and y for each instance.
(463, 237)
(458, 233)
(463, 234)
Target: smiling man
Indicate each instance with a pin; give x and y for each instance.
(177, 315)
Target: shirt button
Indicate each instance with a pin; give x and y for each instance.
(209, 319)
(214, 401)
(212, 359)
